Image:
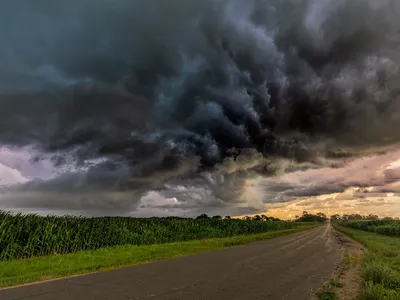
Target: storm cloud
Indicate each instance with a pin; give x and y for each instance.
(189, 99)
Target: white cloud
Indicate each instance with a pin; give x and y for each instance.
(10, 176)
(23, 160)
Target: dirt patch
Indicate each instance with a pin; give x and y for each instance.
(350, 278)
(346, 281)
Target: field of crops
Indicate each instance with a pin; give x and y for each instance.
(24, 236)
(385, 227)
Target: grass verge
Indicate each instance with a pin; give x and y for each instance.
(327, 292)
(18, 272)
(326, 295)
(381, 264)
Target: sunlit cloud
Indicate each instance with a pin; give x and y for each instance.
(366, 185)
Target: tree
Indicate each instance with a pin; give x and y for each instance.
(306, 217)
(355, 217)
(257, 218)
(372, 217)
(217, 217)
(203, 216)
(227, 217)
(335, 217)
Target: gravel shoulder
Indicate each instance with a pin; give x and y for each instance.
(350, 279)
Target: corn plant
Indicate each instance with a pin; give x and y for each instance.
(25, 236)
(384, 227)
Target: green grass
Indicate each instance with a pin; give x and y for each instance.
(326, 292)
(16, 272)
(335, 283)
(326, 295)
(381, 264)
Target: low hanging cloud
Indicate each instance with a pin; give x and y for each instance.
(362, 176)
(365, 185)
(189, 99)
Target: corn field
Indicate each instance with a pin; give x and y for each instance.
(25, 236)
(384, 227)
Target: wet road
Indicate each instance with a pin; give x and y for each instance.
(288, 267)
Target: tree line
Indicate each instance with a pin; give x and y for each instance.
(305, 217)
(308, 217)
(247, 218)
(370, 217)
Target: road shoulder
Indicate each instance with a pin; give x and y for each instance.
(346, 282)
(350, 279)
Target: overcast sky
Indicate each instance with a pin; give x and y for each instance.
(370, 184)
(185, 107)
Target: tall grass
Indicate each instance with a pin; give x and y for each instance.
(25, 236)
(381, 264)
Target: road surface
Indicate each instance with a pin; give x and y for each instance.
(288, 267)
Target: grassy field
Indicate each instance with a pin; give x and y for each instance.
(381, 265)
(385, 227)
(26, 236)
(14, 272)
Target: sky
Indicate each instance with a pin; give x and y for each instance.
(224, 107)
(368, 185)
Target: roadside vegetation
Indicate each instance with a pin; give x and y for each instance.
(385, 227)
(327, 292)
(381, 264)
(26, 236)
(326, 295)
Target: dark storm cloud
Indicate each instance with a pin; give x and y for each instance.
(173, 90)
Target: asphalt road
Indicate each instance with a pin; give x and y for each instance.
(288, 267)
